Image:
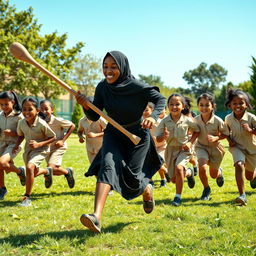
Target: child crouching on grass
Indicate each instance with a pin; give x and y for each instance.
(59, 146)
(175, 130)
(38, 136)
(242, 141)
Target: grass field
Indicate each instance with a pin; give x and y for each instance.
(51, 225)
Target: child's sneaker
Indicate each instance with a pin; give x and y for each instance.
(253, 183)
(22, 175)
(3, 192)
(206, 194)
(163, 183)
(241, 200)
(70, 177)
(220, 179)
(176, 201)
(26, 201)
(191, 179)
(48, 178)
(152, 183)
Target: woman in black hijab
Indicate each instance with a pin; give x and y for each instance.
(120, 165)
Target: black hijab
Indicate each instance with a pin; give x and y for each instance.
(126, 84)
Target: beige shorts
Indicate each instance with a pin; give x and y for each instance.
(55, 156)
(6, 149)
(161, 152)
(175, 156)
(91, 156)
(249, 160)
(35, 157)
(213, 155)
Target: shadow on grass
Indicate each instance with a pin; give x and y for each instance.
(38, 196)
(79, 235)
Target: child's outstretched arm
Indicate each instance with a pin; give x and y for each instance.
(61, 142)
(192, 140)
(16, 147)
(34, 144)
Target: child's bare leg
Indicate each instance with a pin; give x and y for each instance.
(179, 173)
(102, 190)
(58, 170)
(250, 175)
(161, 172)
(30, 170)
(202, 172)
(214, 173)
(240, 169)
(7, 164)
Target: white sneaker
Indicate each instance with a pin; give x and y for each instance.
(26, 201)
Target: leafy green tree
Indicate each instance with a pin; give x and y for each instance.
(86, 73)
(49, 50)
(156, 81)
(252, 88)
(205, 79)
(77, 115)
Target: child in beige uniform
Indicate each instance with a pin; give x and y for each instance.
(59, 146)
(160, 146)
(91, 133)
(208, 148)
(242, 141)
(9, 118)
(174, 129)
(38, 136)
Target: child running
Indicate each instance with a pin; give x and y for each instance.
(208, 148)
(92, 133)
(9, 118)
(242, 141)
(38, 136)
(174, 129)
(59, 146)
(160, 146)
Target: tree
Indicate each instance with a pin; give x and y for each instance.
(49, 50)
(86, 73)
(77, 115)
(252, 89)
(205, 79)
(156, 81)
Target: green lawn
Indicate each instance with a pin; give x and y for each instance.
(52, 227)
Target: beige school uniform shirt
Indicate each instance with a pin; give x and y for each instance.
(178, 135)
(214, 126)
(7, 143)
(243, 139)
(38, 131)
(9, 122)
(59, 125)
(85, 126)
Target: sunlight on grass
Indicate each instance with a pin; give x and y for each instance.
(52, 227)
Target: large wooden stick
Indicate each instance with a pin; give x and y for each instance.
(21, 53)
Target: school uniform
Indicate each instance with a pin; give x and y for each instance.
(58, 125)
(245, 147)
(178, 135)
(38, 131)
(7, 143)
(93, 145)
(213, 152)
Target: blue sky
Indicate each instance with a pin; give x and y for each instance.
(159, 37)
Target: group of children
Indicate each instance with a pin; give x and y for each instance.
(180, 137)
(185, 137)
(45, 137)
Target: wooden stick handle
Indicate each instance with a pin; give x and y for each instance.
(21, 53)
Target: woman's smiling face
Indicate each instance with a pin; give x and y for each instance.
(110, 70)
